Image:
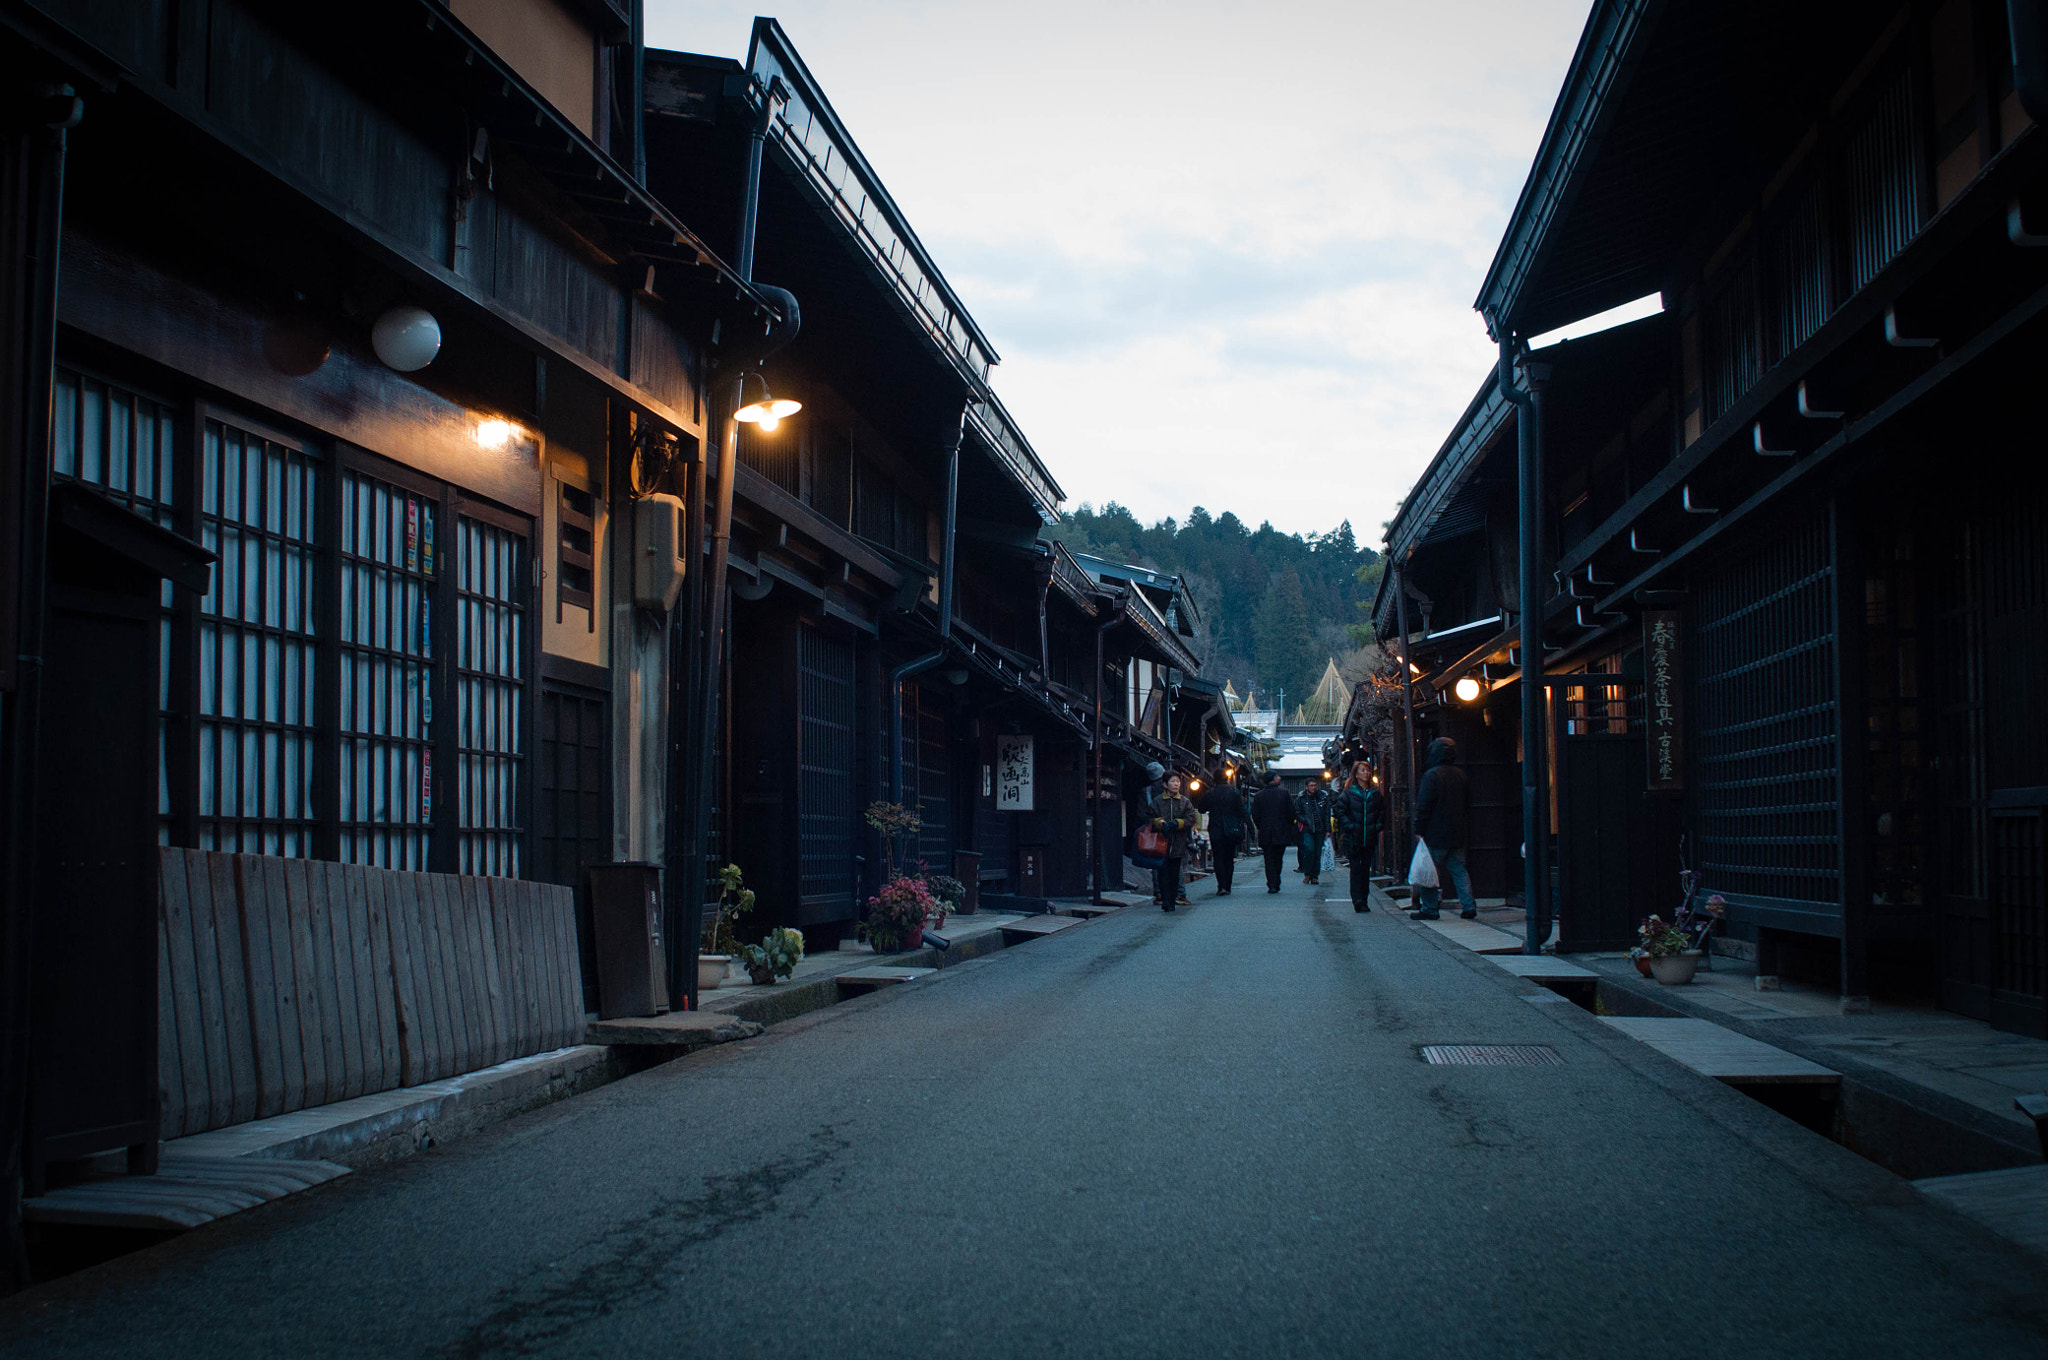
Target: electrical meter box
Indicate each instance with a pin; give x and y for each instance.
(658, 563)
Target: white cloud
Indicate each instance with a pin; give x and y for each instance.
(1227, 252)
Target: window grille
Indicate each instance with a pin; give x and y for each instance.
(573, 825)
(388, 571)
(575, 546)
(257, 646)
(1964, 781)
(1766, 722)
(1734, 347)
(1884, 182)
(490, 695)
(122, 443)
(1803, 299)
(825, 810)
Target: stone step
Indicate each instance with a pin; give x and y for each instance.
(1400, 892)
(1383, 880)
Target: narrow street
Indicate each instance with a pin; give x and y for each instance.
(1206, 1133)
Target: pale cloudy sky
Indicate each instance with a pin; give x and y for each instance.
(1227, 252)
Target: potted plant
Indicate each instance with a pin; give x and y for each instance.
(715, 951)
(947, 891)
(893, 820)
(896, 915)
(1668, 948)
(775, 957)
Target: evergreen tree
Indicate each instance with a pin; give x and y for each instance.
(1286, 642)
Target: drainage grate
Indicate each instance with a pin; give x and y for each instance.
(1492, 1055)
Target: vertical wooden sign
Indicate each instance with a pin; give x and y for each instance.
(1013, 774)
(1663, 689)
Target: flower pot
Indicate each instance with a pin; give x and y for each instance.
(1642, 962)
(912, 938)
(1677, 969)
(711, 970)
(763, 974)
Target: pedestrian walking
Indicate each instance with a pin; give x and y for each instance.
(1313, 810)
(1443, 817)
(1273, 814)
(1361, 815)
(1174, 817)
(1224, 806)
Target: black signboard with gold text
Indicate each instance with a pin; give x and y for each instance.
(1663, 686)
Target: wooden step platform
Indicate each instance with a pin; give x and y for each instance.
(1471, 935)
(869, 979)
(1031, 927)
(184, 1193)
(677, 1029)
(1722, 1054)
(1579, 985)
(1088, 911)
(2012, 1203)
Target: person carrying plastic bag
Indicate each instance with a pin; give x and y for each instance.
(1443, 817)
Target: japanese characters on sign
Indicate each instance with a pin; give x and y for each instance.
(1663, 672)
(1013, 774)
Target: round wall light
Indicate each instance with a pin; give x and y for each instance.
(1467, 689)
(406, 338)
(495, 434)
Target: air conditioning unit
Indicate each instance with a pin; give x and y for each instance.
(658, 562)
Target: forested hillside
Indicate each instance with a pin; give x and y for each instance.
(1275, 607)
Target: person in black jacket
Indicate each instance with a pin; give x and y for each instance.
(1174, 815)
(1225, 808)
(1273, 814)
(1313, 809)
(1361, 816)
(1443, 819)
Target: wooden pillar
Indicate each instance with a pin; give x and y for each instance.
(1852, 730)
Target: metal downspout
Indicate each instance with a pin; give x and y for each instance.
(1407, 722)
(1529, 497)
(931, 658)
(1095, 794)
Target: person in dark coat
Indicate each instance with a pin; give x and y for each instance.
(1224, 806)
(1173, 814)
(1361, 816)
(1273, 814)
(1443, 819)
(1313, 811)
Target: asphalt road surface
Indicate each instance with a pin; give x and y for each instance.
(1200, 1134)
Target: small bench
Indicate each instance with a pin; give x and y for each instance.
(876, 977)
(1568, 980)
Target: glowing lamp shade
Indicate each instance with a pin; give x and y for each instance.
(1468, 689)
(768, 412)
(406, 338)
(1194, 786)
(494, 434)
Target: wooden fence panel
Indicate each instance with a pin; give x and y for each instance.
(312, 992)
(189, 1101)
(346, 1081)
(378, 981)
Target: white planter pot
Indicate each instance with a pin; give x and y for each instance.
(711, 970)
(1677, 970)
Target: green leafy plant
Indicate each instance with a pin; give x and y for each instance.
(900, 907)
(1661, 939)
(950, 891)
(893, 820)
(735, 899)
(777, 956)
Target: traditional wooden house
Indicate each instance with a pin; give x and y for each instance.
(1788, 531)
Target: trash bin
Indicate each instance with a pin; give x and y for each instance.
(632, 960)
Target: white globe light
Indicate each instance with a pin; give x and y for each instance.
(1468, 689)
(406, 338)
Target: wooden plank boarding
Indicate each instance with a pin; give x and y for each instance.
(492, 930)
(170, 1068)
(327, 982)
(440, 978)
(297, 900)
(258, 967)
(196, 1101)
(559, 902)
(348, 1019)
(553, 1026)
(415, 1022)
(376, 981)
(232, 982)
(440, 1016)
(539, 1019)
(481, 933)
(275, 906)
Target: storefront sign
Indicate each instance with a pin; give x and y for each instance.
(1663, 684)
(1013, 774)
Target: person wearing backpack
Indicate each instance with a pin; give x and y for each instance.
(1443, 821)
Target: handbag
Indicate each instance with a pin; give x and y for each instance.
(1422, 869)
(1151, 841)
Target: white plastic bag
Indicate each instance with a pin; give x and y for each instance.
(1329, 856)
(1422, 869)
